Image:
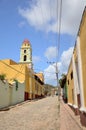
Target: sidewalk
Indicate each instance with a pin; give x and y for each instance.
(68, 120)
(13, 106)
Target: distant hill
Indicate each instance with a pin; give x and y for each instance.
(49, 89)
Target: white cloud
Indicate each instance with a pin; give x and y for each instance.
(35, 59)
(65, 60)
(72, 12)
(43, 15)
(51, 52)
(62, 66)
(38, 15)
(50, 74)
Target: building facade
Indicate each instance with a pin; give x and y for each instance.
(82, 47)
(70, 85)
(11, 94)
(77, 91)
(26, 53)
(23, 72)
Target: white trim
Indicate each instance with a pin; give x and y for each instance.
(75, 106)
(70, 104)
(82, 109)
(75, 81)
(80, 72)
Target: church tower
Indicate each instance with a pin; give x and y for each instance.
(26, 53)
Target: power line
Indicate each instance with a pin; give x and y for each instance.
(50, 10)
(16, 69)
(11, 67)
(21, 68)
(41, 11)
(59, 15)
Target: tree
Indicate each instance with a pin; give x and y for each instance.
(2, 76)
(62, 81)
(63, 85)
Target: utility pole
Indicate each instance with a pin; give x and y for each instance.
(58, 82)
(56, 71)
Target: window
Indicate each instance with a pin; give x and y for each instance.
(24, 51)
(25, 57)
(71, 75)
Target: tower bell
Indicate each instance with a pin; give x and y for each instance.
(26, 53)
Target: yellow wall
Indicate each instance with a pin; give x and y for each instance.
(33, 88)
(70, 85)
(9, 61)
(82, 35)
(41, 76)
(12, 71)
(37, 88)
(22, 73)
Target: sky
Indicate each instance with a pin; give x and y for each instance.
(37, 21)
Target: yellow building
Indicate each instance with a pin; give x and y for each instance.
(19, 72)
(70, 85)
(40, 75)
(22, 71)
(77, 86)
(40, 83)
(81, 39)
(39, 87)
(73, 81)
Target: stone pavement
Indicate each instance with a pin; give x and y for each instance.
(35, 115)
(68, 120)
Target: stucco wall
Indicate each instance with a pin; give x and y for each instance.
(9, 95)
(22, 73)
(39, 89)
(15, 71)
(17, 93)
(42, 89)
(70, 85)
(4, 94)
(83, 52)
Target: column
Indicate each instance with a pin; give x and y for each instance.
(80, 73)
(75, 83)
(30, 80)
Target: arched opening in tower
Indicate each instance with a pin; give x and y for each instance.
(25, 57)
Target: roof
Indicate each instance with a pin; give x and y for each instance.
(9, 61)
(26, 42)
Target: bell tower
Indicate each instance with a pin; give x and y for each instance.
(26, 53)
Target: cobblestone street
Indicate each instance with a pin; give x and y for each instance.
(35, 115)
